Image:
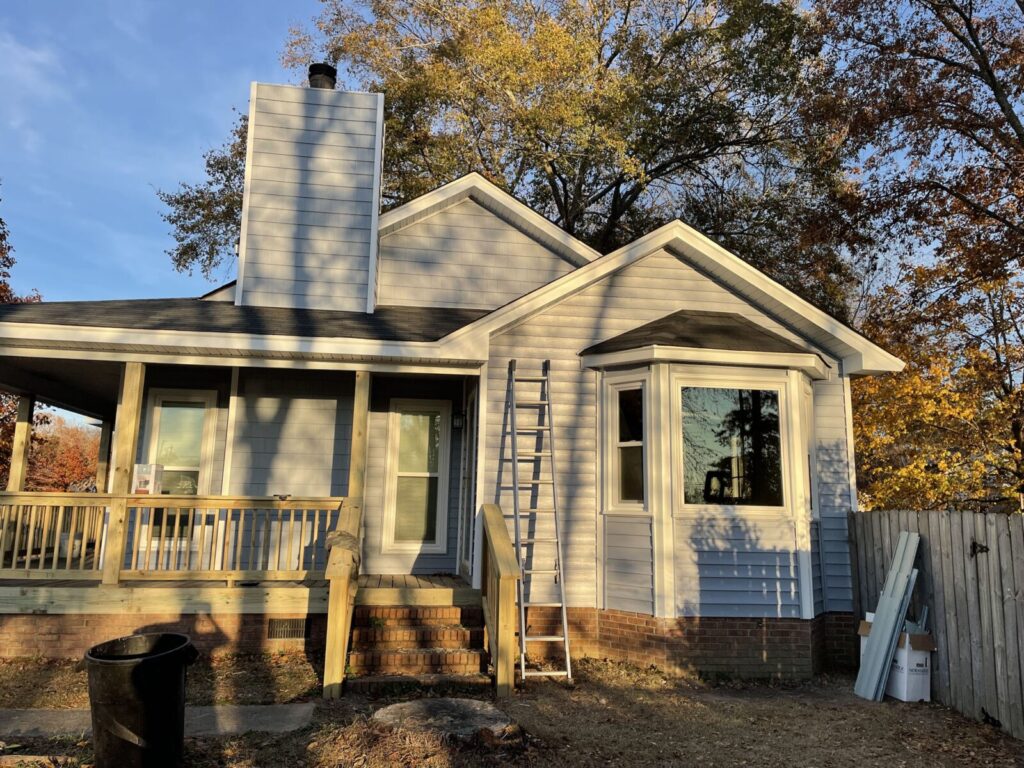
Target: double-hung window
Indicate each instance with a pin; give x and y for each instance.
(625, 419)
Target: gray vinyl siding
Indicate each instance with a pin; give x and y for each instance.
(382, 391)
(736, 567)
(463, 256)
(310, 198)
(819, 587)
(746, 576)
(833, 464)
(292, 433)
(629, 563)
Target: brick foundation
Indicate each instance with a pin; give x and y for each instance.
(708, 646)
(69, 636)
(712, 647)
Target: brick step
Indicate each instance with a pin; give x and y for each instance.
(417, 661)
(379, 616)
(395, 684)
(411, 638)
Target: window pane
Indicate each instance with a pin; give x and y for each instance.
(180, 441)
(631, 415)
(731, 446)
(631, 473)
(419, 442)
(180, 482)
(416, 509)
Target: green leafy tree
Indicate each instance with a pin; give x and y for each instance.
(609, 117)
(205, 217)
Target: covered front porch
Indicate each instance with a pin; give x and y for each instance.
(121, 552)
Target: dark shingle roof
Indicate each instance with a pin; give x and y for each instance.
(195, 315)
(699, 330)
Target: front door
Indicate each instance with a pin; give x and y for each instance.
(415, 525)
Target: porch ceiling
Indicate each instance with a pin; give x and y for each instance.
(86, 386)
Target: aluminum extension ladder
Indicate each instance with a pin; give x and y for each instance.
(535, 515)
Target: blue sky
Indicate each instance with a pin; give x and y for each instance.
(103, 102)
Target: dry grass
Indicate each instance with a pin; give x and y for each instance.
(621, 715)
(224, 679)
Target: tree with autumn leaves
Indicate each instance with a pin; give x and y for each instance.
(933, 90)
(866, 153)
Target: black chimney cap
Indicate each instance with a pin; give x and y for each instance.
(323, 75)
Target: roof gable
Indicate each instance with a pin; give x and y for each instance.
(859, 354)
(698, 329)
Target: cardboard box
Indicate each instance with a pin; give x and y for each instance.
(910, 677)
(148, 478)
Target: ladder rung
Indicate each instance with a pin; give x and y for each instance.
(544, 638)
(530, 403)
(533, 429)
(529, 604)
(538, 511)
(535, 482)
(546, 673)
(528, 379)
(536, 541)
(533, 454)
(550, 571)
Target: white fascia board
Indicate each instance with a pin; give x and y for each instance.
(809, 363)
(470, 349)
(676, 236)
(226, 359)
(476, 187)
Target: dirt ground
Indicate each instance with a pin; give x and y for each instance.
(224, 679)
(613, 715)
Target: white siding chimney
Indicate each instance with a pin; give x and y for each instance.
(311, 201)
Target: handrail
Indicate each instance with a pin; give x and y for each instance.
(342, 573)
(498, 596)
(54, 535)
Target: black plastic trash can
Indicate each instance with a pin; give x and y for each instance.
(137, 696)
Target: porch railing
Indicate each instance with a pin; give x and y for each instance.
(232, 538)
(498, 595)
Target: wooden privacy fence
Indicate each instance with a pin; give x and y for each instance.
(971, 578)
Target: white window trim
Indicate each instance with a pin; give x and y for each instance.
(613, 384)
(731, 378)
(440, 544)
(208, 398)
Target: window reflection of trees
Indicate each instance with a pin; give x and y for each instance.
(731, 446)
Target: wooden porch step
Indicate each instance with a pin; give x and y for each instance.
(399, 638)
(417, 661)
(418, 596)
(382, 616)
(394, 684)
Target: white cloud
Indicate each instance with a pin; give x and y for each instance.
(32, 77)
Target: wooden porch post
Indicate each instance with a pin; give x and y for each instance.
(103, 460)
(126, 441)
(343, 567)
(360, 425)
(22, 441)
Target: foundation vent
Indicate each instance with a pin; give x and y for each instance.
(287, 629)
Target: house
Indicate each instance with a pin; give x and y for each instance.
(356, 379)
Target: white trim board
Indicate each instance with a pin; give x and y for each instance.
(810, 364)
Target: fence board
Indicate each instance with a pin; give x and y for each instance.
(951, 617)
(974, 595)
(1016, 528)
(995, 592)
(1012, 641)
